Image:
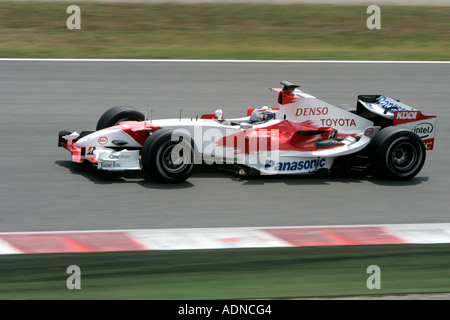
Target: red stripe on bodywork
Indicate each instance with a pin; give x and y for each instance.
(285, 97)
(76, 152)
(286, 132)
(138, 130)
(209, 116)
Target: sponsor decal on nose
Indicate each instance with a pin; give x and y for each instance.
(103, 140)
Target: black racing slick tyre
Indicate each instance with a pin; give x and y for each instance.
(168, 156)
(398, 153)
(118, 114)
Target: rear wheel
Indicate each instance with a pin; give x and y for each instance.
(168, 157)
(398, 153)
(118, 114)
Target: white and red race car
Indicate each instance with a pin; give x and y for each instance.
(303, 135)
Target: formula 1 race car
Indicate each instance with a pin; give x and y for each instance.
(302, 135)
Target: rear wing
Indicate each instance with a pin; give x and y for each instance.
(402, 115)
(382, 106)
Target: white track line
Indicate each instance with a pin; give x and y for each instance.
(444, 225)
(220, 61)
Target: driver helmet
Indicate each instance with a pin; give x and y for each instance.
(262, 114)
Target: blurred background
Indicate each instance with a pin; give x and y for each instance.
(227, 30)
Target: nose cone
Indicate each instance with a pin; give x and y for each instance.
(81, 143)
(111, 137)
(85, 141)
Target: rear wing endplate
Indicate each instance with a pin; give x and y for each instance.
(423, 126)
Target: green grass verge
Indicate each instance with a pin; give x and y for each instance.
(223, 31)
(228, 274)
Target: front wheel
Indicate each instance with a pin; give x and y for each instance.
(118, 114)
(398, 153)
(168, 156)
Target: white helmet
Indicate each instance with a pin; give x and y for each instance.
(261, 114)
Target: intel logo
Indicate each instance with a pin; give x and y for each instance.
(423, 129)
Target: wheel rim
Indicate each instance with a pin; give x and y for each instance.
(175, 158)
(404, 157)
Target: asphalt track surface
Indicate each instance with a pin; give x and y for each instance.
(41, 190)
